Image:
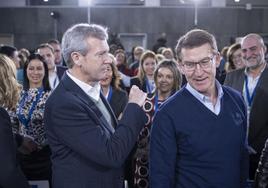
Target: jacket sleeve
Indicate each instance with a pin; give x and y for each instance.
(11, 175)
(76, 127)
(163, 151)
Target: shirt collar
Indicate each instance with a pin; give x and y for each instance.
(93, 92)
(55, 69)
(202, 97)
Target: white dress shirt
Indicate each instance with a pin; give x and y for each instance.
(93, 92)
(206, 100)
(53, 78)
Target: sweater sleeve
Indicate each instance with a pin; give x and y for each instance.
(162, 152)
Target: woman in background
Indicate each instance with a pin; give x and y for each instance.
(121, 62)
(11, 175)
(168, 81)
(30, 112)
(144, 79)
(234, 58)
(116, 97)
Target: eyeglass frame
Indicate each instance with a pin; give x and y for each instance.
(200, 63)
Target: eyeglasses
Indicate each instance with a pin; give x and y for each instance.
(204, 64)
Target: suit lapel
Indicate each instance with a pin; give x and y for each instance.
(240, 80)
(72, 87)
(258, 100)
(107, 105)
(261, 86)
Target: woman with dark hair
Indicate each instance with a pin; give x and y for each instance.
(30, 117)
(234, 58)
(168, 80)
(11, 175)
(121, 62)
(116, 97)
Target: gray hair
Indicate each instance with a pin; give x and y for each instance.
(255, 36)
(74, 39)
(195, 38)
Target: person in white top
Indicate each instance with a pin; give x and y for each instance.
(55, 72)
(47, 52)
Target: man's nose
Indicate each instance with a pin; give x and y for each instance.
(198, 68)
(247, 54)
(107, 61)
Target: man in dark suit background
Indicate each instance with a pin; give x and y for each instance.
(252, 82)
(54, 72)
(88, 145)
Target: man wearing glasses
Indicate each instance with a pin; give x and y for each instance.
(199, 135)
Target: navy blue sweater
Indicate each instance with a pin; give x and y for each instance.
(191, 147)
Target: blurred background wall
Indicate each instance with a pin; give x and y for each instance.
(28, 23)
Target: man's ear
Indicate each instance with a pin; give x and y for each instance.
(217, 59)
(264, 49)
(180, 66)
(76, 57)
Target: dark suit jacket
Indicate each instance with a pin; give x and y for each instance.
(60, 71)
(11, 175)
(85, 153)
(258, 120)
(118, 101)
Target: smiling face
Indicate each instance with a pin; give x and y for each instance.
(201, 79)
(120, 58)
(164, 80)
(253, 52)
(237, 59)
(108, 78)
(35, 73)
(149, 65)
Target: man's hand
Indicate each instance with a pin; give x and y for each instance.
(136, 96)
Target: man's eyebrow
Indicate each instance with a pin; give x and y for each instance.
(251, 48)
(205, 58)
(101, 52)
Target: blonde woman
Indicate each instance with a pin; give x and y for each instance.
(145, 77)
(11, 175)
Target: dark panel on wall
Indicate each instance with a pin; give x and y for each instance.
(250, 21)
(7, 20)
(111, 18)
(225, 23)
(152, 21)
(223, 27)
(31, 26)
